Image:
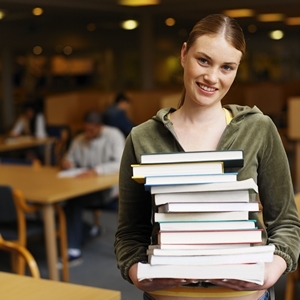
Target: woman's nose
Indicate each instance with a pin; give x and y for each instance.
(211, 75)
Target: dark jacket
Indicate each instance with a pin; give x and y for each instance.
(265, 161)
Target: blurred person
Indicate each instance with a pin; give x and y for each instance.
(98, 150)
(117, 114)
(31, 122)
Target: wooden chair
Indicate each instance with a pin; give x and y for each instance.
(15, 227)
(294, 277)
(21, 251)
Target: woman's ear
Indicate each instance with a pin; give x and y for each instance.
(183, 54)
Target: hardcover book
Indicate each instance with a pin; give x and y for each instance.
(231, 158)
(246, 272)
(207, 206)
(250, 236)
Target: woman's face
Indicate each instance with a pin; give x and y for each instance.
(210, 66)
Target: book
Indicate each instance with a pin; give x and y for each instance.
(186, 179)
(222, 196)
(215, 257)
(209, 207)
(251, 236)
(247, 184)
(202, 216)
(231, 158)
(178, 168)
(175, 247)
(210, 225)
(246, 272)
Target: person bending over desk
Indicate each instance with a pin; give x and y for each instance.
(98, 149)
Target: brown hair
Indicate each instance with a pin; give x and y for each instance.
(217, 24)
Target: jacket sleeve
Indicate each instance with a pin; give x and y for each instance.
(277, 198)
(134, 225)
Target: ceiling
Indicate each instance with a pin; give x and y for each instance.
(20, 26)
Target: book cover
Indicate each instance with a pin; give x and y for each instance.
(202, 216)
(221, 259)
(187, 179)
(207, 207)
(231, 249)
(216, 196)
(246, 272)
(178, 168)
(251, 236)
(212, 225)
(175, 247)
(248, 184)
(231, 158)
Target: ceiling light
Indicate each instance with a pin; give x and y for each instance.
(170, 22)
(37, 50)
(129, 24)
(2, 14)
(138, 2)
(239, 13)
(37, 11)
(293, 21)
(270, 17)
(276, 34)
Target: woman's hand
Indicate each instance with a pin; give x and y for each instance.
(155, 284)
(273, 271)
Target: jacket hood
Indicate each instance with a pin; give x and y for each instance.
(239, 113)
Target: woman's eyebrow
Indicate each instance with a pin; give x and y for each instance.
(209, 58)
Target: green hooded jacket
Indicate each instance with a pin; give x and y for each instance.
(265, 161)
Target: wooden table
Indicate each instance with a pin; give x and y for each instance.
(42, 186)
(16, 287)
(18, 143)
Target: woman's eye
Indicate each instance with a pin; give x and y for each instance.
(227, 68)
(203, 61)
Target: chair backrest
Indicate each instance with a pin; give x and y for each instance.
(29, 259)
(8, 211)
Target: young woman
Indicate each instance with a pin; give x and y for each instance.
(210, 60)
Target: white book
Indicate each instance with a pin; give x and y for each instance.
(242, 249)
(178, 168)
(246, 272)
(210, 225)
(175, 247)
(201, 216)
(187, 179)
(210, 237)
(231, 158)
(247, 184)
(237, 258)
(222, 196)
(207, 207)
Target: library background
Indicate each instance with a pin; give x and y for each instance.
(71, 56)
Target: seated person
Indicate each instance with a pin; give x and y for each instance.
(99, 149)
(30, 123)
(116, 114)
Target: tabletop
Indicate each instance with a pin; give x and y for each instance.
(16, 287)
(42, 185)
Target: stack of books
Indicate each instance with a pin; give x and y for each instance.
(203, 214)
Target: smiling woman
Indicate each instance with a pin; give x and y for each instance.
(210, 59)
